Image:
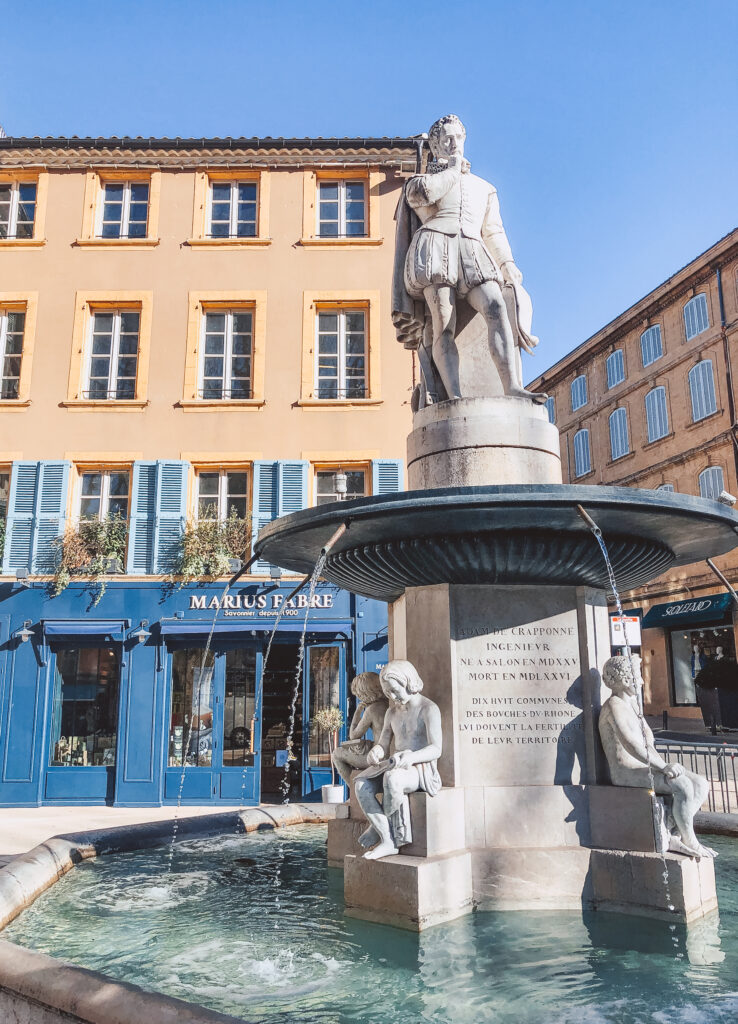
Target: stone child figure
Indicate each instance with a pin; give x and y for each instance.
(451, 246)
(369, 714)
(413, 724)
(629, 747)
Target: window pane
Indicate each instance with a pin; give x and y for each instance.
(221, 192)
(237, 507)
(324, 683)
(247, 191)
(238, 483)
(99, 368)
(329, 190)
(214, 344)
(103, 323)
(207, 483)
(215, 323)
(191, 715)
(242, 323)
(239, 707)
(355, 190)
(139, 193)
(327, 322)
(84, 718)
(247, 228)
(355, 482)
(213, 366)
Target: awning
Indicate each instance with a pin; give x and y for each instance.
(712, 610)
(226, 627)
(76, 629)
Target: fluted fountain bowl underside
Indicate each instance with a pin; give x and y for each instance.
(508, 534)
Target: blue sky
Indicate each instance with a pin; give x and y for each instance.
(609, 128)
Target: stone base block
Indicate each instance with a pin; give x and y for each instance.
(408, 892)
(633, 883)
(343, 838)
(622, 818)
(526, 816)
(532, 879)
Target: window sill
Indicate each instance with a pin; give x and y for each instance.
(657, 440)
(116, 243)
(590, 472)
(698, 423)
(12, 404)
(109, 404)
(621, 458)
(221, 404)
(21, 243)
(340, 243)
(333, 403)
(226, 243)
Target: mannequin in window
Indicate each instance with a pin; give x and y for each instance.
(698, 659)
(719, 653)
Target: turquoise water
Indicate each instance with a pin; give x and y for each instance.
(253, 926)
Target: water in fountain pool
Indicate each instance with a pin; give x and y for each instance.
(254, 926)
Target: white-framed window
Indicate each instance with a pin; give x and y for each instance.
(619, 444)
(340, 354)
(551, 409)
(696, 319)
(328, 488)
(341, 209)
(17, 209)
(103, 494)
(12, 326)
(711, 482)
(615, 366)
(582, 460)
(652, 347)
(113, 354)
(226, 363)
(667, 488)
(578, 392)
(232, 209)
(123, 210)
(222, 493)
(702, 390)
(657, 415)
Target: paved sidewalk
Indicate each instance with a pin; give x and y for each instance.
(22, 828)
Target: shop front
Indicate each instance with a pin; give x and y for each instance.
(697, 632)
(127, 703)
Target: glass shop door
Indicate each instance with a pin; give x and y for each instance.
(324, 685)
(214, 729)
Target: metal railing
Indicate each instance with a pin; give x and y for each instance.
(716, 762)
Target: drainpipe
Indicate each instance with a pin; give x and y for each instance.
(728, 369)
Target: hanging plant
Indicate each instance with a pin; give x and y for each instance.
(206, 546)
(85, 550)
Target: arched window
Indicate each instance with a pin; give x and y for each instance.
(666, 487)
(711, 482)
(578, 392)
(702, 390)
(615, 366)
(551, 409)
(695, 316)
(651, 345)
(582, 462)
(657, 416)
(619, 444)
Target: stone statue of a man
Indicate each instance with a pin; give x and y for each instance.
(369, 714)
(451, 247)
(413, 726)
(630, 750)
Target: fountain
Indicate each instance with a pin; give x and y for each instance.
(497, 589)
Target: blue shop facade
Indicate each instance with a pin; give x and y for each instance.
(117, 703)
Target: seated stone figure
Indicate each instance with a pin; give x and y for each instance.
(630, 750)
(369, 714)
(413, 724)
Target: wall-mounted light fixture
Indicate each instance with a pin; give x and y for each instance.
(275, 573)
(25, 633)
(340, 483)
(234, 565)
(21, 576)
(141, 634)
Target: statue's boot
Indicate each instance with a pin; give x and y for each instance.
(369, 837)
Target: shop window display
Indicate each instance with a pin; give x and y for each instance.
(239, 708)
(191, 719)
(85, 707)
(693, 650)
(324, 692)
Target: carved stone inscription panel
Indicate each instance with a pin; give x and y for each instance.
(517, 681)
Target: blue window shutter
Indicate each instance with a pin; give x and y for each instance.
(140, 559)
(171, 512)
(264, 504)
(293, 486)
(51, 514)
(21, 513)
(387, 476)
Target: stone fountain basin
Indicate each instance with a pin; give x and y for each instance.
(530, 534)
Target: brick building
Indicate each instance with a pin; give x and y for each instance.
(649, 401)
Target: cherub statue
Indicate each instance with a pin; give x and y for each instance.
(413, 723)
(369, 714)
(630, 750)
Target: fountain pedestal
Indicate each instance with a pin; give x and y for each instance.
(526, 819)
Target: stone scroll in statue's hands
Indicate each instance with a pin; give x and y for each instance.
(451, 248)
(368, 717)
(633, 760)
(413, 724)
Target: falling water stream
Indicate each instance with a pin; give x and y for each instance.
(597, 533)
